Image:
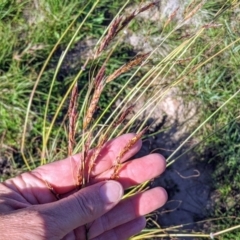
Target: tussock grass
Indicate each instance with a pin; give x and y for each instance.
(78, 111)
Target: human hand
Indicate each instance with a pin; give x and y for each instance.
(29, 210)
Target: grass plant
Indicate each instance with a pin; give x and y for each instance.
(78, 110)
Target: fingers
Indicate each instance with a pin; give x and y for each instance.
(124, 231)
(80, 208)
(61, 175)
(137, 171)
(111, 150)
(128, 210)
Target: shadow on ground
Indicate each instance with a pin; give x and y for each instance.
(188, 180)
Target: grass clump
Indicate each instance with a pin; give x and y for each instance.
(28, 33)
(73, 103)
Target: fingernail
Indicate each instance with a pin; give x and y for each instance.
(111, 191)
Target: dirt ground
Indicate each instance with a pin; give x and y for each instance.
(188, 179)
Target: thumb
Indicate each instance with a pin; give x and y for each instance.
(82, 207)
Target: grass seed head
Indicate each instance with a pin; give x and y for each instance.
(99, 85)
(126, 148)
(126, 21)
(128, 66)
(194, 11)
(119, 24)
(87, 145)
(72, 114)
(148, 6)
(96, 152)
(49, 186)
(124, 115)
(171, 17)
(112, 32)
(100, 76)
